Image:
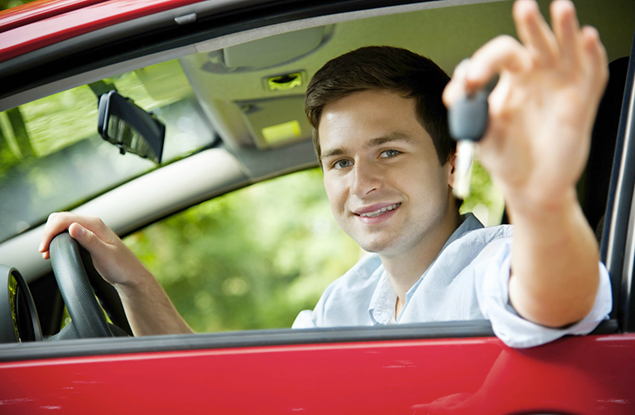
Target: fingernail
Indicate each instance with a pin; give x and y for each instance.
(41, 247)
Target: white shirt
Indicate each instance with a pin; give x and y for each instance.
(467, 281)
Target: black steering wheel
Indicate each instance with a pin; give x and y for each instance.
(70, 268)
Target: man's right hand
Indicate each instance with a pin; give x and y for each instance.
(111, 257)
(148, 308)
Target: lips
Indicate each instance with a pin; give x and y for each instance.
(376, 210)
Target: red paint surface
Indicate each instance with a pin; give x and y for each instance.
(582, 375)
(30, 29)
(42, 9)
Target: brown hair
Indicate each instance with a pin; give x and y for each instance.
(384, 68)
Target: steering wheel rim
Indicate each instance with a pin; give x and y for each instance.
(88, 318)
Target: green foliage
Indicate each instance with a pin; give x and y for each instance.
(59, 120)
(250, 259)
(485, 201)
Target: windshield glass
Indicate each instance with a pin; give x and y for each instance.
(52, 158)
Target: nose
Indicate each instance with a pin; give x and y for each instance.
(365, 179)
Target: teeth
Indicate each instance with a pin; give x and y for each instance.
(378, 212)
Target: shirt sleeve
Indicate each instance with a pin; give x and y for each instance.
(514, 330)
(304, 320)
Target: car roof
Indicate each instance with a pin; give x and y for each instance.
(42, 23)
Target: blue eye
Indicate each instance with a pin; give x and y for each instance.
(342, 164)
(389, 153)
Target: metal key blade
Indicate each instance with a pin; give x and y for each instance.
(463, 173)
(468, 118)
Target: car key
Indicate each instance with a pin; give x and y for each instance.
(468, 119)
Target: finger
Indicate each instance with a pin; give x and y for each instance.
(503, 53)
(596, 60)
(60, 221)
(85, 237)
(534, 32)
(54, 226)
(456, 87)
(567, 31)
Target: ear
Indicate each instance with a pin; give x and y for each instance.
(450, 165)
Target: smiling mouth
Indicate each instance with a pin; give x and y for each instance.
(378, 212)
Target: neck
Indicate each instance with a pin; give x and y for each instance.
(405, 269)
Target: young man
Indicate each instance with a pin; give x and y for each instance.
(381, 138)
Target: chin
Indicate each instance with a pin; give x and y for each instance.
(376, 247)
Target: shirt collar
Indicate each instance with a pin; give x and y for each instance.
(383, 302)
(470, 223)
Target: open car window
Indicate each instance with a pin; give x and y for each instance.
(255, 257)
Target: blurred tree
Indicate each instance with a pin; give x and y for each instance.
(7, 4)
(19, 132)
(7, 155)
(14, 140)
(485, 201)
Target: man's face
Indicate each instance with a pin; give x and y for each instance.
(382, 175)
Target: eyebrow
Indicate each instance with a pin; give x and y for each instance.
(396, 136)
(375, 142)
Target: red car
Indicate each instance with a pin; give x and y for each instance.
(226, 80)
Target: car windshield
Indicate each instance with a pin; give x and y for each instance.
(52, 158)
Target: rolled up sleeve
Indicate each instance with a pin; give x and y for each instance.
(514, 330)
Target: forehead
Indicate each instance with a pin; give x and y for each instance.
(369, 115)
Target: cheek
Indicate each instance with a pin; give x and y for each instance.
(334, 192)
(429, 183)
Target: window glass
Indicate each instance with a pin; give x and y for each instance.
(51, 157)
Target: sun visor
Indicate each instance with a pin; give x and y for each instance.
(276, 121)
(267, 52)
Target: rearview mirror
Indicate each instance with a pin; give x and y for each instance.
(129, 127)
